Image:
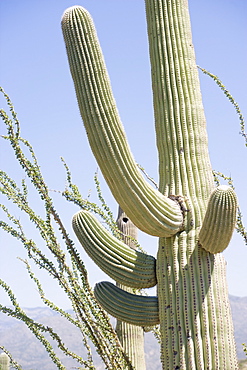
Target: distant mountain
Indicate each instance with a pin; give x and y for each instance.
(239, 314)
(27, 350)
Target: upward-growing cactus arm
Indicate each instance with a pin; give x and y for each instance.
(120, 262)
(220, 220)
(131, 308)
(148, 209)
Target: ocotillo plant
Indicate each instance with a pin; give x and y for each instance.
(57, 257)
(193, 220)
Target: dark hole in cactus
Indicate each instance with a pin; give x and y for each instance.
(125, 219)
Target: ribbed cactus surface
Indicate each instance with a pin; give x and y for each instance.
(4, 361)
(193, 219)
(125, 265)
(131, 336)
(154, 213)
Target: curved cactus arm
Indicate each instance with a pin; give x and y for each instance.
(148, 209)
(131, 308)
(220, 220)
(122, 263)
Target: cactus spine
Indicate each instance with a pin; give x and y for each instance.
(192, 305)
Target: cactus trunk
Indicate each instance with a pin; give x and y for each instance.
(4, 361)
(195, 319)
(131, 336)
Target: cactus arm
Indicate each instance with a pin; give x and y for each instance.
(220, 220)
(132, 308)
(148, 209)
(120, 262)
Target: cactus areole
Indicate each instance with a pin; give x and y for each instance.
(193, 220)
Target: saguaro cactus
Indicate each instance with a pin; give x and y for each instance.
(4, 361)
(131, 336)
(193, 220)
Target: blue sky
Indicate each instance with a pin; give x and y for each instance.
(34, 72)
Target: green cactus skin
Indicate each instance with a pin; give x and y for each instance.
(153, 213)
(122, 263)
(132, 308)
(4, 361)
(194, 312)
(131, 336)
(220, 220)
(128, 230)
